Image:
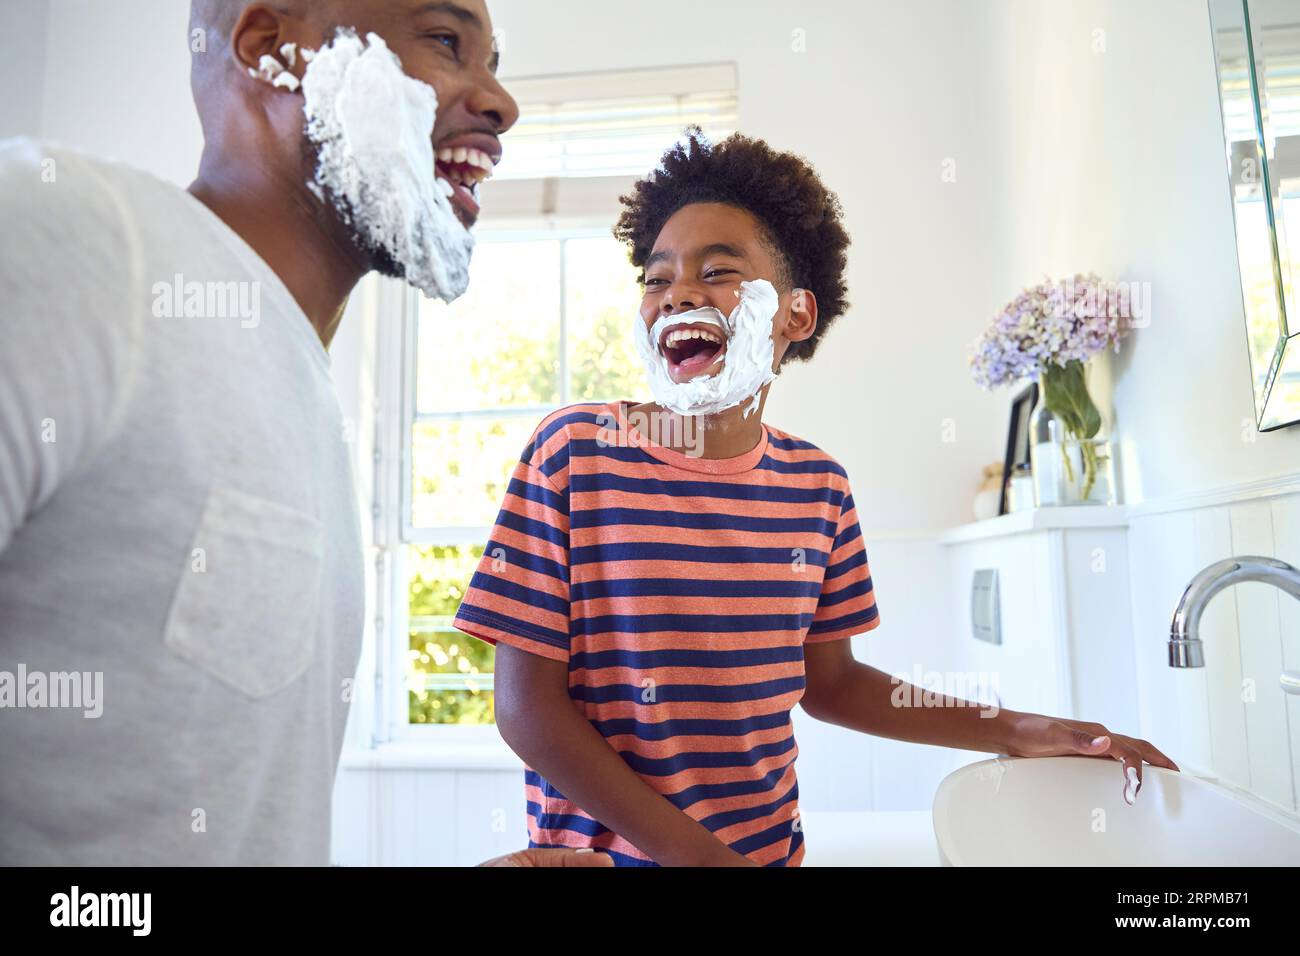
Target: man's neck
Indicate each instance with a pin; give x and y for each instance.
(729, 433)
(291, 231)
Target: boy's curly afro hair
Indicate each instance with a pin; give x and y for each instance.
(781, 190)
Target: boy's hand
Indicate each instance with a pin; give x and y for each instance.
(1034, 735)
(551, 857)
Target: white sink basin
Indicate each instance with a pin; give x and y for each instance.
(1070, 811)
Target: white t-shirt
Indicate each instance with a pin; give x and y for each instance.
(177, 516)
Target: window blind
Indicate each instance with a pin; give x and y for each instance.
(612, 124)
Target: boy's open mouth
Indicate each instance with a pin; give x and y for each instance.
(463, 166)
(691, 349)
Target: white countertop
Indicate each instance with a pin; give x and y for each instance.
(1038, 519)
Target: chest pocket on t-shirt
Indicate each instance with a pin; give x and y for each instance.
(246, 606)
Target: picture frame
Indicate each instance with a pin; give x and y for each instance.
(1018, 439)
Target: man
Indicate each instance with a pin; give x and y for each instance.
(178, 526)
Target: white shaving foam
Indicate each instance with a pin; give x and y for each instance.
(747, 363)
(372, 125)
(1131, 785)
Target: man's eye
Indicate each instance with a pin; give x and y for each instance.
(449, 40)
(712, 273)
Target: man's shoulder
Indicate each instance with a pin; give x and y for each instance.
(27, 163)
(72, 199)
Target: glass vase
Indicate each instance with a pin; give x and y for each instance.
(1068, 470)
(1087, 473)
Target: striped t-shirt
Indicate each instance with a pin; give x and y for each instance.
(680, 591)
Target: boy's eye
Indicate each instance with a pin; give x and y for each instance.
(651, 282)
(713, 273)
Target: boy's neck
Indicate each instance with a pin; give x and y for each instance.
(726, 434)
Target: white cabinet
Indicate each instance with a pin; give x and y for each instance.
(1066, 625)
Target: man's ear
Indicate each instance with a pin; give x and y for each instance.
(262, 46)
(803, 315)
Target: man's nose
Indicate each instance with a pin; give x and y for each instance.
(489, 98)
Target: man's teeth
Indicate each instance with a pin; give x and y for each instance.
(678, 336)
(464, 165)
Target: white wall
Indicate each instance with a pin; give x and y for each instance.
(1116, 164)
(22, 68)
(117, 83)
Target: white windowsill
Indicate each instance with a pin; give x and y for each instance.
(433, 755)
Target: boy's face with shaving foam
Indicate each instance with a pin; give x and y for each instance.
(700, 258)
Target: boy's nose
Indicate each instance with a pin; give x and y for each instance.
(679, 301)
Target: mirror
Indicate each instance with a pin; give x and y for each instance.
(1257, 51)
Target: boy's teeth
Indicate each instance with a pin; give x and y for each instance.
(677, 336)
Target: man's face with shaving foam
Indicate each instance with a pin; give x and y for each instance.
(700, 257)
(447, 44)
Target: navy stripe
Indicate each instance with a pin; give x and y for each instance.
(519, 592)
(595, 448)
(700, 520)
(557, 462)
(690, 587)
(532, 528)
(543, 496)
(587, 826)
(791, 444)
(494, 550)
(813, 466)
(844, 567)
(851, 533)
(856, 589)
(688, 693)
(848, 620)
(604, 481)
(731, 817)
(684, 799)
(691, 623)
(584, 414)
(764, 838)
(690, 727)
(683, 657)
(533, 632)
(667, 551)
(714, 760)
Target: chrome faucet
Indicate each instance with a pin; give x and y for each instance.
(1185, 648)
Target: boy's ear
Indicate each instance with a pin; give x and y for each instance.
(803, 315)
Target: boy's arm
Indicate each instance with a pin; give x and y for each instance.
(537, 718)
(841, 690)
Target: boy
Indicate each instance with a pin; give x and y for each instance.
(660, 606)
